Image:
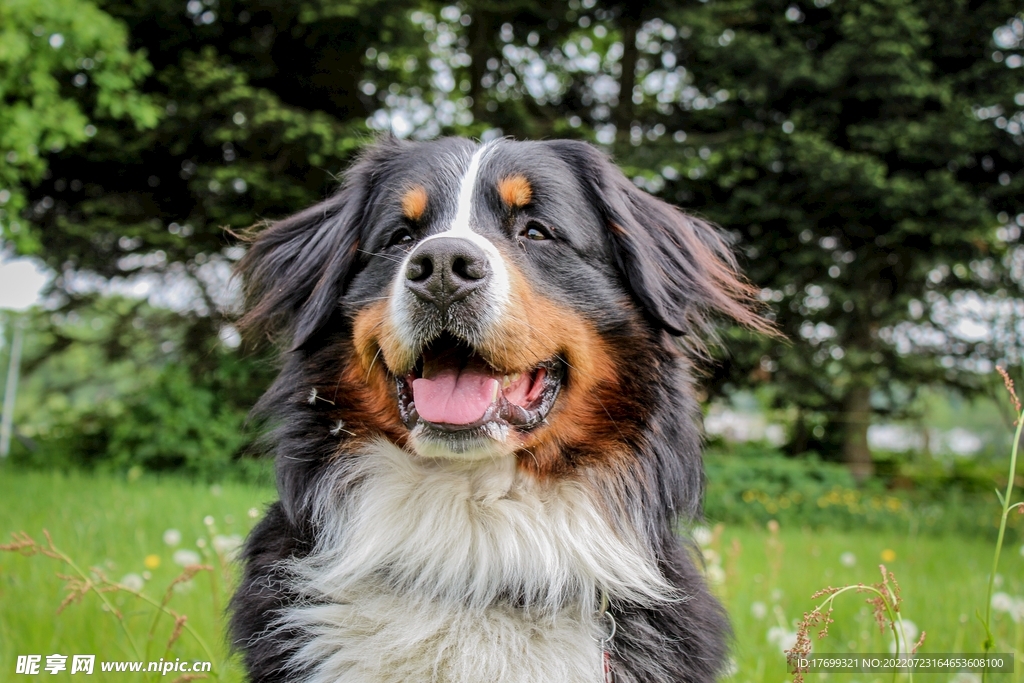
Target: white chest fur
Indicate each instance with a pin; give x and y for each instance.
(429, 570)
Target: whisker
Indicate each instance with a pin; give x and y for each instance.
(369, 300)
(386, 257)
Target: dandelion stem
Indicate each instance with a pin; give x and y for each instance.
(989, 640)
(66, 559)
(163, 608)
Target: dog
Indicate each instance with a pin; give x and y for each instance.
(485, 429)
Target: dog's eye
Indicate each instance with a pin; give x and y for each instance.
(535, 231)
(402, 236)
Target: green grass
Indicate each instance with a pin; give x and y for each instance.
(115, 524)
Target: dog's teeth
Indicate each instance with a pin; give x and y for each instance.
(507, 380)
(497, 390)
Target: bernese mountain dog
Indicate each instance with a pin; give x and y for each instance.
(486, 435)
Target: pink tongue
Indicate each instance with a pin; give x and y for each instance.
(454, 396)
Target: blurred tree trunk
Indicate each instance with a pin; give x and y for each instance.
(856, 419)
(801, 435)
(481, 37)
(629, 23)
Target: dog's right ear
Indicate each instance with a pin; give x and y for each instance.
(295, 269)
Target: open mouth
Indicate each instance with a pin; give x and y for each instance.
(453, 389)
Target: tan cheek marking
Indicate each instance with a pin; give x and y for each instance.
(414, 203)
(373, 335)
(515, 191)
(538, 329)
(370, 401)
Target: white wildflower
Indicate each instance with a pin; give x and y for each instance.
(782, 638)
(965, 677)
(185, 558)
(848, 559)
(227, 545)
(172, 537)
(759, 610)
(731, 668)
(907, 638)
(702, 535)
(1002, 602)
(133, 582)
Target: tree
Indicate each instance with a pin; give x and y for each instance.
(866, 156)
(62, 63)
(862, 153)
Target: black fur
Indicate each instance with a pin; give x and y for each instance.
(639, 269)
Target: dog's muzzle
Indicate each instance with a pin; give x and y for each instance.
(445, 270)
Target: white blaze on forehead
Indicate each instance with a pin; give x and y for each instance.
(496, 291)
(464, 208)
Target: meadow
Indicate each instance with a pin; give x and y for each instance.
(139, 531)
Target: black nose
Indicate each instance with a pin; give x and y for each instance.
(446, 269)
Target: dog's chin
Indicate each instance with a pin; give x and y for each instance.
(458, 405)
(485, 443)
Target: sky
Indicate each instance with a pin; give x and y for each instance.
(21, 280)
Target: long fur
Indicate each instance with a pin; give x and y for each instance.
(380, 563)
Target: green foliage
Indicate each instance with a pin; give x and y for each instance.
(175, 425)
(111, 385)
(63, 65)
(753, 484)
(843, 145)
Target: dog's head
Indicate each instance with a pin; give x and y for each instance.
(472, 301)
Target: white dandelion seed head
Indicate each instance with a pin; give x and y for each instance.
(848, 559)
(172, 537)
(185, 558)
(184, 586)
(227, 545)
(133, 582)
(208, 520)
(1002, 602)
(702, 535)
(731, 668)
(253, 513)
(759, 610)
(906, 639)
(965, 677)
(782, 638)
(1017, 611)
(312, 396)
(715, 574)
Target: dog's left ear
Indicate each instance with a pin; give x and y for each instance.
(677, 266)
(295, 269)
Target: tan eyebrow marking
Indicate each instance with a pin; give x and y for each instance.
(414, 202)
(515, 190)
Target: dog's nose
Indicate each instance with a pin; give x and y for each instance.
(446, 269)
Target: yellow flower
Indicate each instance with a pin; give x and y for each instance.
(888, 555)
(152, 561)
